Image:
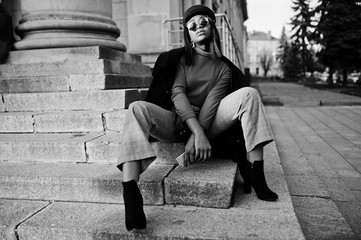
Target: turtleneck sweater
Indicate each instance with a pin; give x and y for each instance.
(199, 88)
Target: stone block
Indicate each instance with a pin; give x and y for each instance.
(167, 152)
(13, 212)
(320, 219)
(104, 148)
(107, 81)
(114, 120)
(111, 99)
(119, 10)
(130, 69)
(146, 26)
(151, 183)
(88, 66)
(74, 221)
(54, 68)
(34, 84)
(306, 186)
(69, 121)
(66, 54)
(19, 122)
(351, 211)
(143, 93)
(207, 184)
(338, 190)
(61, 182)
(100, 183)
(44, 147)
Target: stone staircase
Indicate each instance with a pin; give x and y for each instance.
(61, 118)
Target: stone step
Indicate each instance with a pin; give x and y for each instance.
(62, 121)
(72, 148)
(65, 83)
(101, 183)
(64, 54)
(86, 100)
(73, 67)
(247, 218)
(74, 221)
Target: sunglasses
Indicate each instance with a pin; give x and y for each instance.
(202, 22)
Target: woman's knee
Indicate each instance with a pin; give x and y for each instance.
(250, 92)
(138, 107)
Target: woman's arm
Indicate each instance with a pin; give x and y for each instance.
(214, 97)
(179, 97)
(198, 146)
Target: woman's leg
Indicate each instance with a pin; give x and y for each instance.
(245, 105)
(256, 154)
(143, 120)
(131, 171)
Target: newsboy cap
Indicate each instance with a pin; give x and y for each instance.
(198, 10)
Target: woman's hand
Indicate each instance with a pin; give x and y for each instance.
(202, 147)
(197, 148)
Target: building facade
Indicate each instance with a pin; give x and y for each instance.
(262, 45)
(141, 22)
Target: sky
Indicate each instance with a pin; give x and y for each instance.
(270, 15)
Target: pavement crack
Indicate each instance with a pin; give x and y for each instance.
(27, 218)
(104, 122)
(310, 196)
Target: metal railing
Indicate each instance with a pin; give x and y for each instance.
(174, 37)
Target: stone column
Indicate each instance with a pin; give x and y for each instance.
(145, 25)
(67, 23)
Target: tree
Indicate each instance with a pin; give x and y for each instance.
(292, 68)
(339, 34)
(303, 32)
(266, 61)
(283, 49)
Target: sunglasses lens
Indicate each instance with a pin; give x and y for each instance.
(203, 22)
(192, 26)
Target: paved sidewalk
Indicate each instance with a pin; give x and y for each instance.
(296, 95)
(320, 151)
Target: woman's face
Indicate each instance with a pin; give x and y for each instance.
(199, 28)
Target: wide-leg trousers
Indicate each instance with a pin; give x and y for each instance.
(145, 119)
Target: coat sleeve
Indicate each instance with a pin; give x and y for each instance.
(6, 33)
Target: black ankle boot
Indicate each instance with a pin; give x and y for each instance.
(133, 203)
(259, 184)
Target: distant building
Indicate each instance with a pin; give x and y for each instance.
(258, 45)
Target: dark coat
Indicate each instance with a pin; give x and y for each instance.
(6, 33)
(229, 144)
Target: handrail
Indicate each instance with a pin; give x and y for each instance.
(230, 49)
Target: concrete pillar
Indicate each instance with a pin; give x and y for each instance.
(145, 25)
(67, 23)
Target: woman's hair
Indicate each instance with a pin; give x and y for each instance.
(214, 43)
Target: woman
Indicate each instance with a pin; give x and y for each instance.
(192, 84)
